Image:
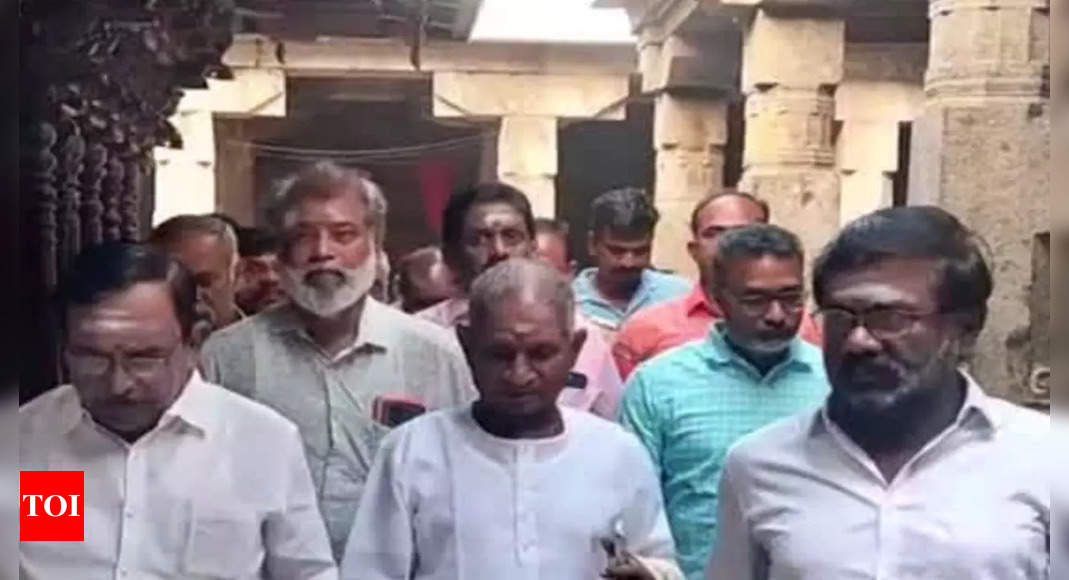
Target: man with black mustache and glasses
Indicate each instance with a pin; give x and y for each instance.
(909, 470)
(342, 366)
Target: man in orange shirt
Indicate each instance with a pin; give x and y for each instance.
(660, 327)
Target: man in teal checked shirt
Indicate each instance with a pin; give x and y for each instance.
(690, 404)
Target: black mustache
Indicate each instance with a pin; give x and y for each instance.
(870, 369)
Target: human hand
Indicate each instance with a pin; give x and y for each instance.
(627, 567)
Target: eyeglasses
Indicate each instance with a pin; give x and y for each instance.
(880, 322)
(757, 304)
(96, 365)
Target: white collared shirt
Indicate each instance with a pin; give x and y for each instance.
(800, 501)
(219, 489)
(448, 501)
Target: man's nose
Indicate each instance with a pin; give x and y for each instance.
(321, 248)
(270, 276)
(629, 260)
(861, 341)
(775, 315)
(499, 250)
(520, 371)
(120, 383)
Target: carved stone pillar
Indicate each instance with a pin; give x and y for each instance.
(792, 65)
(689, 135)
(527, 159)
(981, 150)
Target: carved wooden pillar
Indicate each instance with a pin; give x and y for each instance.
(73, 153)
(130, 204)
(98, 81)
(114, 183)
(92, 206)
(44, 200)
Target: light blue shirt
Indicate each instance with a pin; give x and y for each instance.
(654, 287)
(690, 404)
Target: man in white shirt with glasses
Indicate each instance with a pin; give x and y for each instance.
(182, 478)
(909, 471)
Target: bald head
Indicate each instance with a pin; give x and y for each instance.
(423, 279)
(532, 280)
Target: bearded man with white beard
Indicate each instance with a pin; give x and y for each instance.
(342, 366)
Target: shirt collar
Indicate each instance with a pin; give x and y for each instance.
(505, 450)
(697, 301)
(723, 354)
(374, 329)
(588, 288)
(979, 410)
(193, 406)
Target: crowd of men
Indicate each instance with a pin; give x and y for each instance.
(276, 403)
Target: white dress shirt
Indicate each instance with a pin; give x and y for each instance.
(800, 501)
(448, 501)
(219, 489)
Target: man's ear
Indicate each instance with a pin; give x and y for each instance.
(692, 249)
(200, 332)
(591, 241)
(203, 324)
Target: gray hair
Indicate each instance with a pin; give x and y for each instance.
(522, 275)
(754, 241)
(324, 180)
(173, 230)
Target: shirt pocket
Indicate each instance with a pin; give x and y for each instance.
(225, 542)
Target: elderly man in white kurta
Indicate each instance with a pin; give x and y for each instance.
(513, 486)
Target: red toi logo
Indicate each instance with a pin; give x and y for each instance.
(52, 507)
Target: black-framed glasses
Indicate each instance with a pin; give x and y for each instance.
(880, 322)
(758, 304)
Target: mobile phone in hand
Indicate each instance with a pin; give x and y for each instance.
(394, 411)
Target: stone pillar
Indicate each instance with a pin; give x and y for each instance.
(529, 106)
(883, 87)
(689, 134)
(981, 150)
(791, 68)
(185, 178)
(527, 159)
(868, 160)
(235, 170)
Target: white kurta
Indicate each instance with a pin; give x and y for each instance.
(448, 501)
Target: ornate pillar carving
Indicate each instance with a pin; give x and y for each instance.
(98, 81)
(689, 134)
(92, 206)
(73, 153)
(981, 149)
(792, 65)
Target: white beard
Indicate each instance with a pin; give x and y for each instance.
(327, 302)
